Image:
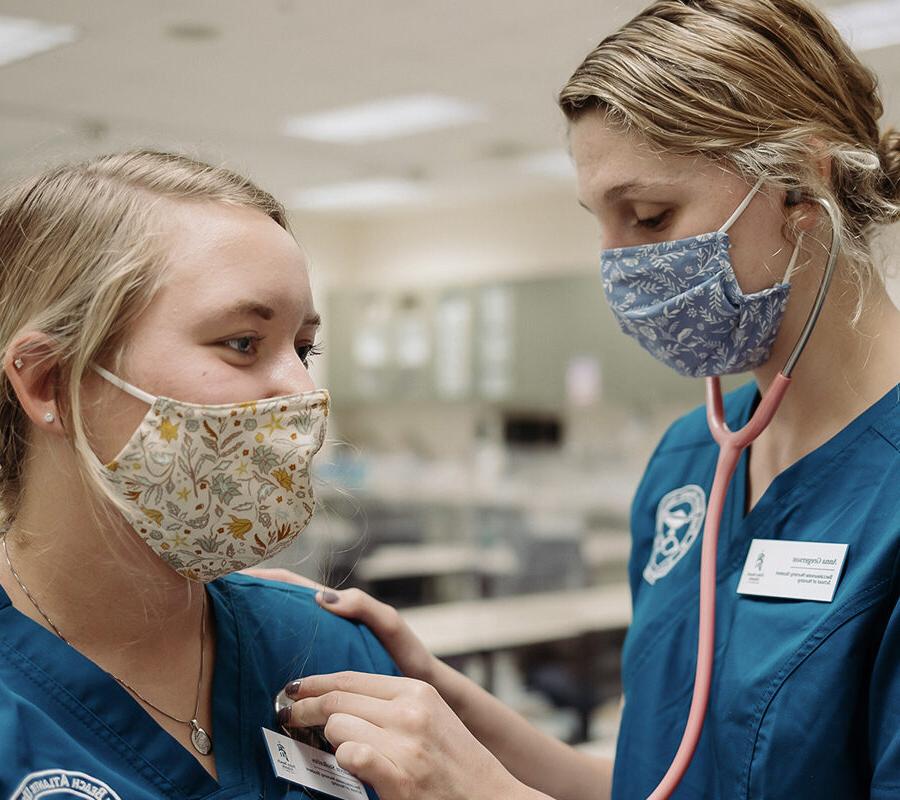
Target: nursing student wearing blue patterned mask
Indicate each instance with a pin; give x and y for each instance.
(755, 117)
(682, 302)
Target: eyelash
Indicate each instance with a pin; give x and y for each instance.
(653, 223)
(306, 351)
(312, 351)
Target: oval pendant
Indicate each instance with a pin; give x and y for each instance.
(200, 739)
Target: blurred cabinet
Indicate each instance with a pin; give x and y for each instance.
(534, 345)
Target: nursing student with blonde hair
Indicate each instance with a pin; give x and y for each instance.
(731, 152)
(157, 423)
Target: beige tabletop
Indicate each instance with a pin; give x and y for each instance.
(424, 560)
(475, 626)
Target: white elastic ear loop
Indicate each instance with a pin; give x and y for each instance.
(793, 262)
(740, 209)
(140, 394)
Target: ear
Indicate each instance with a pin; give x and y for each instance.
(805, 213)
(801, 213)
(32, 367)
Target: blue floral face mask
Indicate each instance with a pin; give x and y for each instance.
(681, 301)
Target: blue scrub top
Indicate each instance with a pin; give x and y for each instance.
(65, 722)
(805, 699)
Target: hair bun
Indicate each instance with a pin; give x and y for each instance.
(889, 155)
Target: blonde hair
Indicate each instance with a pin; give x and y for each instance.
(769, 87)
(82, 254)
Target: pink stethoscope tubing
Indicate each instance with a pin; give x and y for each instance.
(731, 445)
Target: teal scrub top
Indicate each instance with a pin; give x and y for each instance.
(68, 729)
(805, 699)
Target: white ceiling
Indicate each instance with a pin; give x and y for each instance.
(128, 81)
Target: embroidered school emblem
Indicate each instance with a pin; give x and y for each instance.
(50, 783)
(679, 518)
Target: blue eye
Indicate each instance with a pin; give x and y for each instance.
(249, 346)
(245, 345)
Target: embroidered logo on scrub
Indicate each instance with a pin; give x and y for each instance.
(679, 519)
(62, 783)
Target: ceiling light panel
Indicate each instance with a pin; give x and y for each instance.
(359, 195)
(384, 119)
(21, 37)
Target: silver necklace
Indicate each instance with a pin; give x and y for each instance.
(199, 738)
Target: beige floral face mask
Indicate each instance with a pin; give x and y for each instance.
(213, 489)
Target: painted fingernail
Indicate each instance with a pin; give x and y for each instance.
(330, 597)
(292, 689)
(284, 716)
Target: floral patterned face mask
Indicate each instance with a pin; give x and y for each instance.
(681, 301)
(213, 489)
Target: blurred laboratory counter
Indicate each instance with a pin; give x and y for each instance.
(516, 575)
(484, 626)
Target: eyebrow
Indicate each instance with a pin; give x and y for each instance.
(623, 188)
(616, 192)
(245, 308)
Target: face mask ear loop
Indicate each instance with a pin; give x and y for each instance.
(740, 209)
(140, 394)
(793, 262)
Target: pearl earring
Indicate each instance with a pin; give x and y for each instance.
(18, 363)
(49, 417)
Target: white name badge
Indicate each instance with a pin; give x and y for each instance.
(315, 769)
(794, 570)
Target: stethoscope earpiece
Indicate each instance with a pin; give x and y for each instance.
(794, 197)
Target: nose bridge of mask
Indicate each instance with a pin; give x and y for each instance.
(115, 380)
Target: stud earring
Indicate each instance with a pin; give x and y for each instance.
(49, 417)
(18, 363)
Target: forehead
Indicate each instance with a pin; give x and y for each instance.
(609, 161)
(217, 254)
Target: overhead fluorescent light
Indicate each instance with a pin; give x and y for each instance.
(383, 119)
(868, 25)
(551, 164)
(21, 37)
(359, 195)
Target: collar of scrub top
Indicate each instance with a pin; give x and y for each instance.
(731, 445)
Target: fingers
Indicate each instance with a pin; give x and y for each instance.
(360, 748)
(356, 604)
(282, 575)
(370, 766)
(316, 711)
(382, 687)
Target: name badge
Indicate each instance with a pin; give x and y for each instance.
(793, 570)
(315, 769)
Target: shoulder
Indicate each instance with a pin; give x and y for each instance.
(280, 616)
(258, 597)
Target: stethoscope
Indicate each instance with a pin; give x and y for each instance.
(731, 445)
